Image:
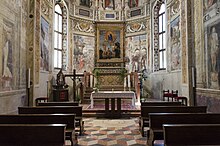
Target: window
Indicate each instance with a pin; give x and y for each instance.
(160, 57)
(162, 38)
(60, 36)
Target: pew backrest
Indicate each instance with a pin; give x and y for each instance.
(156, 120)
(32, 134)
(77, 110)
(68, 119)
(161, 103)
(191, 134)
(58, 104)
(145, 110)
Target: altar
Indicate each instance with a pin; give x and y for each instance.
(112, 95)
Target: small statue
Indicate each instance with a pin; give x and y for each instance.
(61, 78)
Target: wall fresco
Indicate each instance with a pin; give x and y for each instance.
(213, 32)
(212, 103)
(13, 45)
(7, 55)
(211, 44)
(83, 54)
(175, 44)
(208, 3)
(136, 53)
(44, 41)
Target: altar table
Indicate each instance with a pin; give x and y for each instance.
(112, 95)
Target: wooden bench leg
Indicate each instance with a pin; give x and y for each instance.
(74, 139)
(81, 127)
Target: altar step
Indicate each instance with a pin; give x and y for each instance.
(101, 113)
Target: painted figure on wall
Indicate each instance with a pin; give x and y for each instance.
(44, 41)
(7, 56)
(83, 53)
(143, 58)
(208, 3)
(213, 43)
(133, 3)
(110, 4)
(214, 46)
(175, 44)
(135, 60)
(136, 53)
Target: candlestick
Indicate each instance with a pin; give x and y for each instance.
(29, 78)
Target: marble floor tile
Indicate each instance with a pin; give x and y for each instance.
(111, 132)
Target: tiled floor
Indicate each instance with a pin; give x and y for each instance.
(111, 132)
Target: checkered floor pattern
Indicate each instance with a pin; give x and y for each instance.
(111, 132)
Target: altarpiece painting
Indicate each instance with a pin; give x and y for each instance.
(110, 42)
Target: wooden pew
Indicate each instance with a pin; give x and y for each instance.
(145, 110)
(77, 110)
(154, 103)
(158, 119)
(58, 104)
(67, 119)
(160, 103)
(191, 134)
(32, 134)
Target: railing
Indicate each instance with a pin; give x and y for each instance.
(83, 81)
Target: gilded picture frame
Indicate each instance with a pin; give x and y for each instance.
(110, 40)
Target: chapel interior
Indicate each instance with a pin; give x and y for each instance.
(65, 50)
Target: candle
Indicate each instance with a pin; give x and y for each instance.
(129, 82)
(124, 82)
(95, 81)
(91, 80)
